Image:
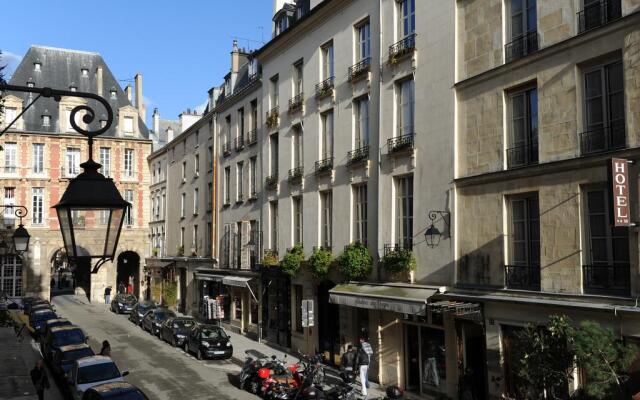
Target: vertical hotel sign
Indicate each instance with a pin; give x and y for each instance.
(620, 191)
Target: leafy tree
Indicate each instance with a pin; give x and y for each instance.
(292, 260)
(320, 262)
(355, 262)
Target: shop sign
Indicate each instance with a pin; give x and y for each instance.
(308, 319)
(620, 189)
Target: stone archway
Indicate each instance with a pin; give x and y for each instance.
(128, 272)
(62, 277)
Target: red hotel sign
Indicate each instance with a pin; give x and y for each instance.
(620, 190)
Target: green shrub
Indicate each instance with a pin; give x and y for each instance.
(320, 263)
(292, 260)
(355, 262)
(170, 293)
(398, 260)
(270, 258)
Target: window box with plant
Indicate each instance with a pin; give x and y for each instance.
(355, 262)
(296, 174)
(320, 262)
(271, 181)
(398, 260)
(401, 143)
(404, 47)
(292, 261)
(273, 117)
(270, 258)
(296, 103)
(180, 251)
(324, 88)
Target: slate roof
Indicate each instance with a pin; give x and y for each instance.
(60, 69)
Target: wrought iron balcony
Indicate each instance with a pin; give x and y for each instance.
(227, 202)
(400, 143)
(359, 69)
(253, 195)
(296, 102)
(271, 181)
(273, 117)
(603, 139)
(598, 14)
(614, 280)
(521, 155)
(240, 198)
(402, 48)
(252, 137)
(295, 174)
(324, 88)
(407, 244)
(324, 165)
(523, 277)
(239, 143)
(521, 46)
(226, 148)
(358, 155)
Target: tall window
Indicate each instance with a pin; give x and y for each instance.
(298, 78)
(11, 275)
(128, 162)
(38, 158)
(10, 113)
(406, 107)
(210, 158)
(10, 157)
(604, 108)
(9, 200)
(362, 122)
(326, 144)
(227, 131)
(73, 161)
(130, 215)
(240, 180)
(196, 201)
(273, 222)
(525, 226)
(326, 214)
(209, 238)
(327, 61)
(241, 123)
(37, 205)
(227, 185)
(275, 91)
(128, 125)
(182, 238)
(254, 115)
(608, 245)
(105, 161)
(103, 217)
(297, 219)
(364, 41)
(210, 196)
(194, 239)
(184, 171)
(196, 165)
(524, 131)
(297, 290)
(523, 17)
(297, 146)
(239, 244)
(408, 14)
(253, 163)
(404, 211)
(183, 201)
(273, 154)
(360, 225)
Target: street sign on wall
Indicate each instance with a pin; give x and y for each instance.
(308, 319)
(619, 177)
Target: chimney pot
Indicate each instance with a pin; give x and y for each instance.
(99, 81)
(128, 91)
(139, 99)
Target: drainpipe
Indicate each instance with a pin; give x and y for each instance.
(378, 272)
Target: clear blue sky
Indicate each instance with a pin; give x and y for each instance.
(180, 47)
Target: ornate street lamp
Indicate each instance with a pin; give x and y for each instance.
(433, 235)
(20, 236)
(89, 195)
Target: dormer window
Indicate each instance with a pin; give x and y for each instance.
(37, 66)
(127, 127)
(103, 123)
(31, 84)
(46, 120)
(303, 8)
(73, 88)
(227, 86)
(282, 24)
(85, 72)
(113, 93)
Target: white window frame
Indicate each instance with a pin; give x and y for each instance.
(37, 206)
(105, 161)
(129, 170)
(38, 158)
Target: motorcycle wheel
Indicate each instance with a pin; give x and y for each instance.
(254, 386)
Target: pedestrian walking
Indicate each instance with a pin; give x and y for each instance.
(107, 295)
(348, 364)
(40, 379)
(363, 360)
(106, 349)
(120, 287)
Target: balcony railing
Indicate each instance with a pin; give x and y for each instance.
(403, 47)
(295, 174)
(253, 195)
(523, 277)
(252, 137)
(240, 197)
(273, 117)
(406, 244)
(598, 14)
(400, 143)
(607, 279)
(239, 143)
(227, 202)
(359, 69)
(521, 155)
(226, 148)
(271, 181)
(358, 155)
(324, 165)
(521, 46)
(603, 139)
(295, 103)
(324, 88)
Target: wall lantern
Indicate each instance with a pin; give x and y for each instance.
(433, 235)
(20, 236)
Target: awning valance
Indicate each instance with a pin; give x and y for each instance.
(404, 299)
(157, 263)
(239, 281)
(208, 277)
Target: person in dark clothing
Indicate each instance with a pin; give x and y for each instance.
(107, 295)
(40, 379)
(348, 364)
(121, 287)
(362, 361)
(106, 349)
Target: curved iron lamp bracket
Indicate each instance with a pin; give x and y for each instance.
(445, 215)
(20, 211)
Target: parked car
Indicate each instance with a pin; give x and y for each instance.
(40, 306)
(63, 358)
(139, 310)
(208, 341)
(153, 320)
(28, 302)
(92, 371)
(52, 323)
(123, 303)
(61, 336)
(114, 391)
(37, 318)
(175, 330)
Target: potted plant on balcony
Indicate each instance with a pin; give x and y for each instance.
(292, 261)
(272, 120)
(180, 251)
(399, 263)
(154, 251)
(270, 258)
(355, 262)
(320, 262)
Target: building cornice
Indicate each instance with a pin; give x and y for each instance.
(237, 96)
(69, 135)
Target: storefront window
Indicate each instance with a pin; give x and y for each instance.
(237, 305)
(254, 312)
(434, 373)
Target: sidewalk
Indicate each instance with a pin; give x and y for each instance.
(17, 358)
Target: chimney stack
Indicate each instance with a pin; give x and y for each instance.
(139, 100)
(156, 121)
(99, 81)
(235, 58)
(127, 91)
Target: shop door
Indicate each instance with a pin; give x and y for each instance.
(474, 376)
(183, 291)
(412, 357)
(284, 312)
(328, 324)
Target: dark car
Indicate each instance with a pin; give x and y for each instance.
(29, 302)
(139, 310)
(40, 306)
(61, 336)
(153, 320)
(37, 319)
(63, 358)
(52, 323)
(208, 341)
(123, 303)
(114, 391)
(175, 330)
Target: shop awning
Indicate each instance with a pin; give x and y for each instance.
(208, 277)
(239, 281)
(404, 299)
(157, 263)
